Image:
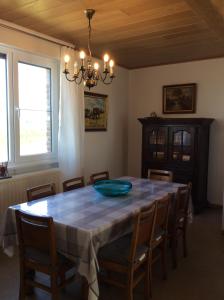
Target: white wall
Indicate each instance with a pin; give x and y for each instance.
(103, 150)
(28, 43)
(107, 150)
(145, 90)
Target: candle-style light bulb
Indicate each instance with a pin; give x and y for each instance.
(66, 59)
(75, 68)
(96, 66)
(111, 64)
(106, 58)
(82, 55)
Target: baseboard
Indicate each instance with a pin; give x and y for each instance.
(213, 205)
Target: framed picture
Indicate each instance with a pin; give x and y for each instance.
(96, 112)
(179, 99)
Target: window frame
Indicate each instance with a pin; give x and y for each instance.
(9, 95)
(15, 56)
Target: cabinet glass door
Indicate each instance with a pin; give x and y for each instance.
(182, 144)
(157, 143)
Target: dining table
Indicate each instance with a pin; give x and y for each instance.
(85, 221)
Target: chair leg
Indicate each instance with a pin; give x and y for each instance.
(25, 289)
(22, 286)
(150, 277)
(54, 287)
(184, 242)
(130, 286)
(29, 273)
(147, 288)
(163, 260)
(129, 294)
(174, 251)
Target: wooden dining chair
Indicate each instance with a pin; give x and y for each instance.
(130, 254)
(41, 191)
(99, 176)
(37, 252)
(179, 220)
(160, 175)
(72, 184)
(159, 242)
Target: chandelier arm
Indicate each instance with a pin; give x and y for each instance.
(107, 83)
(66, 76)
(85, 75)
(78, 81)
(75, 78)
(105, 77)
(102, 78)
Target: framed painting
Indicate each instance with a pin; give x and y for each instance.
(179, 99)
(96, 111)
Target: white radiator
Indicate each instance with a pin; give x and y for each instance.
(13, 190)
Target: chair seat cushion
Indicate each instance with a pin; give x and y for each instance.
(43, 258)
(119, 251)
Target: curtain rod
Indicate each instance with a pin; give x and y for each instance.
(12, 26)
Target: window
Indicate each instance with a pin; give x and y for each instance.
(34, 109)
(3, 110)
(28, 108)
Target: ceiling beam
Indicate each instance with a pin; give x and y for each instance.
(207, 11)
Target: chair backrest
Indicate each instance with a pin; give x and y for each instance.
(41, 191)
(162, 215)
(72, 184)
(144, 223)
(99, 176)
(160, 175)
(182, 201)
(36, 234)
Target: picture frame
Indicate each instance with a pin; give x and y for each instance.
(96, 111)
(179, 98)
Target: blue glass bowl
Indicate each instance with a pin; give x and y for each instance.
(113, 188)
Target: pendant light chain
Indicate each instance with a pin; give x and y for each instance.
(89, 40)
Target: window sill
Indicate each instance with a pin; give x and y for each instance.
(30, 174)
(29, 168)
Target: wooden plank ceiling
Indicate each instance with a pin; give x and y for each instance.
(136, 33)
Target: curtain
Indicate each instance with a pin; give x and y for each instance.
(71, 122)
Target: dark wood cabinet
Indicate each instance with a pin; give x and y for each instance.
(180, 145)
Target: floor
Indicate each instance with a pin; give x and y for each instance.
(199, 276)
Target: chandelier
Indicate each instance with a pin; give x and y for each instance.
(89, 72)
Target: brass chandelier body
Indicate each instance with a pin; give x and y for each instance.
(89, 73)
